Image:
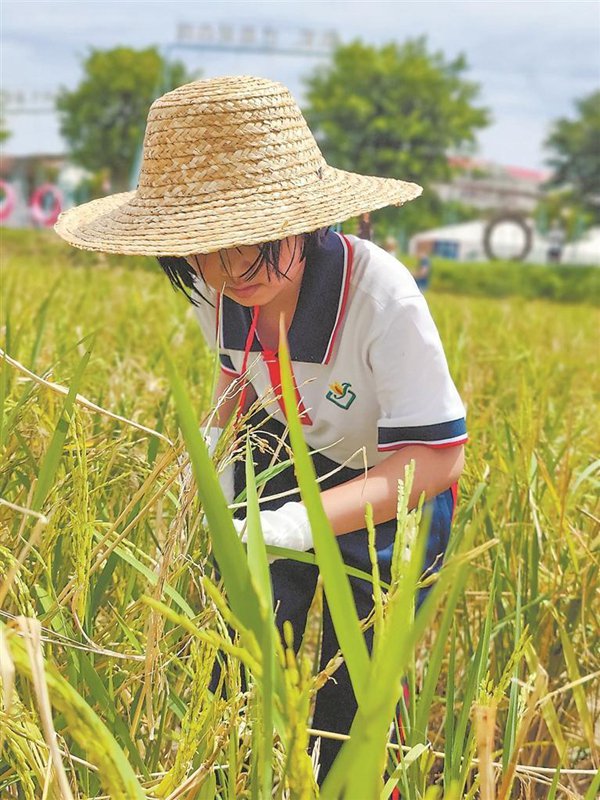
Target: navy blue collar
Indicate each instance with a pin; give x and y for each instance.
(320, 308)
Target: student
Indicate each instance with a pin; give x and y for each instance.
(556, 240)
(237, 202)
(423, 273)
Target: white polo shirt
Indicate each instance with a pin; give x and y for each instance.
(367, 359)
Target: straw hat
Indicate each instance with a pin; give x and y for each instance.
(226, 162)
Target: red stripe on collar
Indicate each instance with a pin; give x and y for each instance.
(218, 320)
(348, 261)
(220, 336)
(272, 361)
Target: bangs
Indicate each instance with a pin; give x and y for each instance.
(183, 276)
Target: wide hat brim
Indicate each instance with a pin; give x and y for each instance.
(226, 162)
(131, 225)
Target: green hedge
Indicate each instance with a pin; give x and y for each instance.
(563, 283)
(32, 243)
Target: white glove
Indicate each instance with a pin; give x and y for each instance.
(287, 527)
(211, 437)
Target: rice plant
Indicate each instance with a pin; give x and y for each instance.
(113, 616)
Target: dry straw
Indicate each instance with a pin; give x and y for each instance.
(226, 162)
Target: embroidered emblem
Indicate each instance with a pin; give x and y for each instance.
(341, 394)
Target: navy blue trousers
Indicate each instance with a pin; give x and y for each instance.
(294, 583)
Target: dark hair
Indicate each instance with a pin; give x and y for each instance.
(183, 276)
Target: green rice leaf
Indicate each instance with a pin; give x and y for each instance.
(554, 785)
(434, 664)
(407, 759)
(129, 558)
(359, 765)
(259, 567)
(228, 549)
(51, 460)
(578, 690)
(336, 584)
(510, 731)
(98, 691)
(474, 676)
(594, 788)
(257, 554)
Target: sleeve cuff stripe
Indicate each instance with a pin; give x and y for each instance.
(456, 440)
(432, 434)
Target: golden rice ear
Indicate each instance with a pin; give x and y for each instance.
(226, 162)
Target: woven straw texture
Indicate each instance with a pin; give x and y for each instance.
(226, 162)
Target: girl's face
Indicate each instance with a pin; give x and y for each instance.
(227, 271)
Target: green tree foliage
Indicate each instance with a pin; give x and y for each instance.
(4, 131)
(104, 117)
(395, 111)
(576, 153)
(564, 208)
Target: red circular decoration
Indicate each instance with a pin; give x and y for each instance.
(41, 214)
(8, 203)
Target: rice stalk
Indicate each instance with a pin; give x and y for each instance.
(83, 401)
(16, 581)
(299, 706)
(30, 629)
(23, 752)
(201, 716)
(84, 726)
(82, 516)
(485, 721)
(529, 495)
(531, 693)
(17, 563)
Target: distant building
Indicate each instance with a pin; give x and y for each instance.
(493, 187)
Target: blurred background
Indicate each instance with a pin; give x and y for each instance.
(494, 107)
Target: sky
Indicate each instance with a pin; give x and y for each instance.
(532, 58)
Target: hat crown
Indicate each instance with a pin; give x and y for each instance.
(227, 135)
(226, 162)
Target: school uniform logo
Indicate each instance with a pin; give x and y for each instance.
(341, 394)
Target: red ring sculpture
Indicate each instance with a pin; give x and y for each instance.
(8, 203)
(45, 216)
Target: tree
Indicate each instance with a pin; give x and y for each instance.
(4, 131)
(395, 111)
(576, 157)
(104, 118)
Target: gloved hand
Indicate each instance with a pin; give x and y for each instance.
(288, 526)
(211, 437)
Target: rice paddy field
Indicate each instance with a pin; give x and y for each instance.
(112, 615)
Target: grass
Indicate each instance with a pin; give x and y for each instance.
(561, 283)
(102, 548)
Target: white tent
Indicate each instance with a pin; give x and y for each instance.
(585, 250)
(464, 242)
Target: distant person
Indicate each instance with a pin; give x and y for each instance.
(556, 240)
(391, 246)
(365, 227)
(423, 273)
